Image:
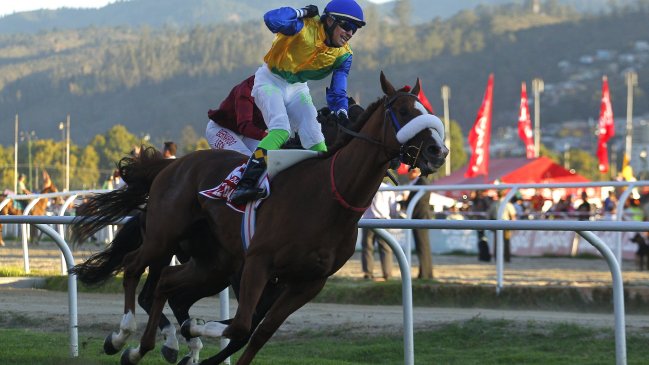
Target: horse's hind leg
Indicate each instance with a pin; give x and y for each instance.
(134, 264)
(170, 347)
(172, 280)
(291, 299)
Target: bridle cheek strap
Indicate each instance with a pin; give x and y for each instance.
(339, 198)
(418, 124)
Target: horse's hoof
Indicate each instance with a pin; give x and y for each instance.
(187, 360)
(169, 354)
(109, 349)
(129, 357)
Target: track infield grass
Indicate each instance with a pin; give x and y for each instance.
(476, 341)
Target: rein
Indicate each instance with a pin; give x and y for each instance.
(395, 123)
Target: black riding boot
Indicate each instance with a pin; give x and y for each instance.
(247, 189)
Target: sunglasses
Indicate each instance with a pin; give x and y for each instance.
(347, 25)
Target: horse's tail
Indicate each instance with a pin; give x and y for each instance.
(103, 209)
(103, 265)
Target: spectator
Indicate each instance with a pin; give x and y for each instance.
(383, 207)
(508, 214)
(454, 213)
(536, 204)
(108, 183)
(169, 150)
(117, 180)
(610, 205)
(584, 209)
(421, 211)
(479, 206)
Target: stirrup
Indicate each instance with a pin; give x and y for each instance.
(245, 194)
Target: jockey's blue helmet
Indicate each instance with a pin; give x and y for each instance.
(347, 10)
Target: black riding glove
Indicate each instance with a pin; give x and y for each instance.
(342, 118)
(309, 11)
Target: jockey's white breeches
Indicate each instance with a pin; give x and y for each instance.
(287, 106)
(221, 138)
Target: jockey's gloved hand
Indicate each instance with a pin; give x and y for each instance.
(308, 11)
(342, 118)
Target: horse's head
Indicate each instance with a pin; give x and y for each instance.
(419, 134)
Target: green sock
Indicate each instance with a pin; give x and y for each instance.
(320, 147)
(274, 140)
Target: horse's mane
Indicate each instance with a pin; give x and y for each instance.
(344, 138)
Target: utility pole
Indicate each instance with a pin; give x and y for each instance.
(631, 81)
(537, 88)
(16, 156)
(67, 155)
(446, 94)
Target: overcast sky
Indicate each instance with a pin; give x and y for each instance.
(12, 6)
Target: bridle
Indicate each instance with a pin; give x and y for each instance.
(407, 154)
(404, 152)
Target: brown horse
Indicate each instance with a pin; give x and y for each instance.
(8, 209)
(40, 208)
(305, 230)
(101, 209)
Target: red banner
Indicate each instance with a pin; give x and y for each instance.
(525, 124)
(606, 126)
(480, 136)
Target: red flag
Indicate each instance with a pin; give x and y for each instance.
(424, 100)
(606, 126)
(525, 124)
(480, 136)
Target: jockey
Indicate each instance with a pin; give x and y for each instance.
(237, 124)
(307, 47)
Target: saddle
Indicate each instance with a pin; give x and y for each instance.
(278, 160)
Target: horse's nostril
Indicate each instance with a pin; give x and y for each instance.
(433, 150)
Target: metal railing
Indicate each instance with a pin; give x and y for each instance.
(583, 228)
(422, 189)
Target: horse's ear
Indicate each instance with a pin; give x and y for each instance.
(387, 87)
(415, 90)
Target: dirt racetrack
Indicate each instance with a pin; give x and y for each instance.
(101, 312)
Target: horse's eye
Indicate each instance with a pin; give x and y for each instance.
(403, 112)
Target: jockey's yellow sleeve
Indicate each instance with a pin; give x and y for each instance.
(304, 55)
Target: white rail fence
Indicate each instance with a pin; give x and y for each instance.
(583, 228)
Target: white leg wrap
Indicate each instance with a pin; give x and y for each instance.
(134, 355)
(126, 328)
(209, 329)
(195, 346)
(171, 341)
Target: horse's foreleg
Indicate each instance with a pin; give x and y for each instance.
(253, 280)
(268, 298)
(291, 299)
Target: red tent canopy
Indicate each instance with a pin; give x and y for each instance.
(516, 171)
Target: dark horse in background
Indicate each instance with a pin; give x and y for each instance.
(305, 230)
(101, 209)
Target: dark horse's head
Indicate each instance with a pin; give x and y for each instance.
(419, 134)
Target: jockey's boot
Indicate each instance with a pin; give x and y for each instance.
(247, 189)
